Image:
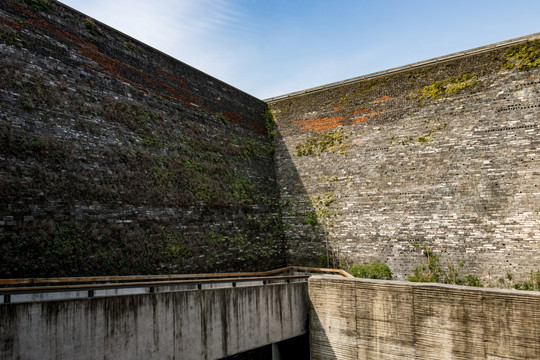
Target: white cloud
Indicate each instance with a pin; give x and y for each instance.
(193, 31)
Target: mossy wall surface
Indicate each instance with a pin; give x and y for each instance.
(117, 159)
(446, 155)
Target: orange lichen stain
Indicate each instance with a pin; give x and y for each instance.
(381, 99)
(365, 118)
(259, 129)
(326, 127)
(359, 120)
(11, 24)
(235, 118)
(375, 113)
(36, 20)
(321, 123)
(354, 112)
(339, 108)
(232, 117)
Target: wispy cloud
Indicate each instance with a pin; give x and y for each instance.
(271, 47)
(193, 31)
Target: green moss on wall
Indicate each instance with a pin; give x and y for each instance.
(523, 56)
(318, 143)
(447, 87)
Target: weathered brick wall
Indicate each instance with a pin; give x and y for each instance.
(116, 158)
(371, 319)
(445, 155)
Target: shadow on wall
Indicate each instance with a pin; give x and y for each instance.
(307, 240)
(419, 157)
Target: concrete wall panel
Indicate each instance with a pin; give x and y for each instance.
(205, 324)
(370, 319)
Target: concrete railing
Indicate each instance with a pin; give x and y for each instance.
(196, 316)
(375, 319)
(46, 289)
(191, 316)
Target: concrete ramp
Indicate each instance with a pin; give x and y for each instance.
(199, 324)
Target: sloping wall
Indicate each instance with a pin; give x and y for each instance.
(371, 319)
(118, 159)
(445, 155)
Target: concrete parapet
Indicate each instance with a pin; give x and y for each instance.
(205, 324)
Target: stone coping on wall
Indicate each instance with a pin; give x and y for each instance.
(414, 65)
(428, 285)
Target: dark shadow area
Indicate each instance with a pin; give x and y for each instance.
(262, 353)
(306, 239)
(296, 348)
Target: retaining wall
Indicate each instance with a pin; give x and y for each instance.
(371, 319)
(444, 154)
(118, 159)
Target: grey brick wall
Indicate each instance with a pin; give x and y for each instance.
(458, 173)
(116, 158)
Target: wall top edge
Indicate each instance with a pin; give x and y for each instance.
(396, 283)
(438, 59)
(149, 47)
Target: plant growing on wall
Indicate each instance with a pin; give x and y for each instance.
(446, 87)
(40, 5)
(374, 270)
(508, 282)
(270, 123)
(432, 271)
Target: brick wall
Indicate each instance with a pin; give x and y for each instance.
(117, 159)
(444, 156)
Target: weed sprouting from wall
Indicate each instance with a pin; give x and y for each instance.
(40, 5)
(132, 47)
(270, 123)
(374, 270)
(531, 283)
(91, 27)
(432, 271)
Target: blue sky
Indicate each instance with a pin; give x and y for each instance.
(272, 47)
